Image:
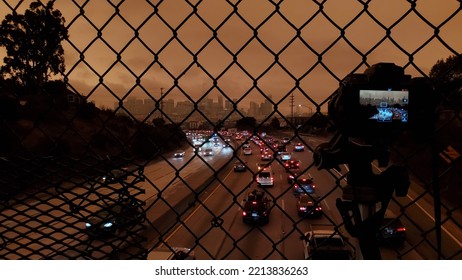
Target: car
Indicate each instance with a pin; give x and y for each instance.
(261, 165)
(304, 185)
(115, 176)
(246, 145)
(281, 148)
(291, 175)
(175, 253)
(179, 154)
(256, 208)
(325, 244)
(292, 164)
(109, 220)
(208, 152)
(239, 166)
(285, 156)
(285, 140)
(392, 231)
(247, 151)
(308, 206)
(266, 156)
(197, 147)
(299, 147)
(265, 177)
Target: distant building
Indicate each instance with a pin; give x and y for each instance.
(266, 108)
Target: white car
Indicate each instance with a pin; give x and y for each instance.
(325, 244)
(285, 156)
(247, 151)
(265, 177)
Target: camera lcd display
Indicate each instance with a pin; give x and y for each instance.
(391, 105)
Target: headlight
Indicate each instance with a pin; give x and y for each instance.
(87, 225)
(107, 225)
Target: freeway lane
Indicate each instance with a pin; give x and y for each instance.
(213, 226)
(230, 238)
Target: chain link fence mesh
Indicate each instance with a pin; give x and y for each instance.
(82, 182)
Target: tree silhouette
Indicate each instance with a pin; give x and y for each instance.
(275, 123)
(447, 77)
(33, 44)
(246, 123)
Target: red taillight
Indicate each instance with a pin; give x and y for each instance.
(401, 229)
(272, 179)
(318, 208)
(244, 213)
(302, 208)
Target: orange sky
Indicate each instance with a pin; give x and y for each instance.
(303, 58)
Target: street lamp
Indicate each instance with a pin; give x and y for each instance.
(309, 107)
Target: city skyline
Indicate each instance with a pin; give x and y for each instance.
(178, 110)
(248, 50)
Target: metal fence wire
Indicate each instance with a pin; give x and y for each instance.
(80, 180)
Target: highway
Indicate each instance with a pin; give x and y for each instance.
(216, 224)
(196, 201)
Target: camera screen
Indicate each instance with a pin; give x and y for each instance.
(392, 105)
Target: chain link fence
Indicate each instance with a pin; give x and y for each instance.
(132, 177)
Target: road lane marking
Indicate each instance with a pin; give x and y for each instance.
(194, 212)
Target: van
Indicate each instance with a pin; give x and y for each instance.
(265, 177)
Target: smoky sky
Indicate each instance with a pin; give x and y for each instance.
(254, 47)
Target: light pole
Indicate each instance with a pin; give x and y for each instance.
(161, 102)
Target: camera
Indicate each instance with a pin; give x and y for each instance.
(370, 110)
(374, 108)
(381, 102)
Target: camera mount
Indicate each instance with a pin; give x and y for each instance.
(370, 111)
